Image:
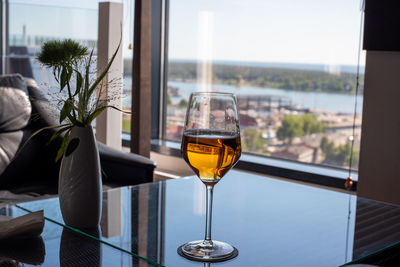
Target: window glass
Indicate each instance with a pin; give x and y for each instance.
(33, 22)
(292, 65)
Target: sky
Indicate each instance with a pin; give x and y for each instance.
(289, 31)
(75, 19)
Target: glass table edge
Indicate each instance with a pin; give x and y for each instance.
(81, 232)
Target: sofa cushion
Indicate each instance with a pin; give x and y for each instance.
(15, 107)
(9, 143)
(15, 111)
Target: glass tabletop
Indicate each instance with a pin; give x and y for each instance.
(59, 246)
(271, 222)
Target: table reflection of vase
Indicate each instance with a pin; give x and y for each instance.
(111, 219)
(78, 250)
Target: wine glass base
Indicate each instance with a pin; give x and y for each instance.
(219, 251)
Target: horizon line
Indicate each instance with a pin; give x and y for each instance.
(261, 62)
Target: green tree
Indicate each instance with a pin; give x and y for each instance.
(238, 79)
(340, 155)
(298, 126)
(252, 140)
(183, 103)
(326, 146)
(126, 125)
(292, 126)
(311, 124)
(356, 159)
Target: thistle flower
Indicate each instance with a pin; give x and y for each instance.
(56, 54)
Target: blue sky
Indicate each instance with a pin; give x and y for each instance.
(290, 31)
(312, 31)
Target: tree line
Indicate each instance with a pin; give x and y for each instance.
(267, 77)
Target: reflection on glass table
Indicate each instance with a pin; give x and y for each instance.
(271, 222)
(59, 246)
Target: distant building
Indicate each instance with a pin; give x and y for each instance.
(174, 132)
(247, 121)
(298, 152)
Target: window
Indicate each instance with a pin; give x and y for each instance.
(31, 23)
(292, 65)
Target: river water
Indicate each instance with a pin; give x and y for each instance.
(313, 100)
(343, 103)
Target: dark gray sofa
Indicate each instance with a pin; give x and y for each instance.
(23, 110)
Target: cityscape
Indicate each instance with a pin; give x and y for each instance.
(281, 122)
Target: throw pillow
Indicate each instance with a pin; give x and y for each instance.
(15, 111)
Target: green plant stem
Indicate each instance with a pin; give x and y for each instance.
(71, 98)
(81, 107)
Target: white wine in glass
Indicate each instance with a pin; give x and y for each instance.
(211, 154)
(211, 147)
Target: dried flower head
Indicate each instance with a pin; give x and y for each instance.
(57, 53)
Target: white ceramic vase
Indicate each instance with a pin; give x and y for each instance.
(80, 186)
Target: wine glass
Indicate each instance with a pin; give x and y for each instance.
(211, 147)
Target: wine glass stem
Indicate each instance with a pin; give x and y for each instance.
(209, 200)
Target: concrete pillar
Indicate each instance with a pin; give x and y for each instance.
(379, 168)
(109, 123)
(141, 84)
